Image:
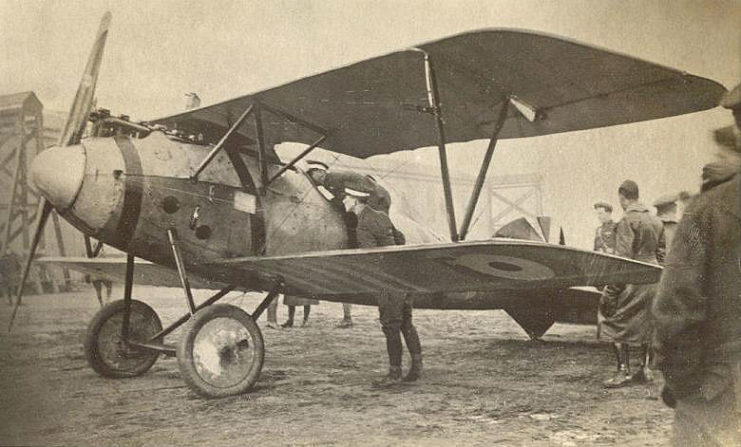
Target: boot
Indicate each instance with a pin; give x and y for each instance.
(392, 378)
(415, 371)
(623, 376)
(644, 374)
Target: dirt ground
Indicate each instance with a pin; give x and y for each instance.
(484, 383)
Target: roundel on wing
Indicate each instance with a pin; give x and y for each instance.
(505, 267)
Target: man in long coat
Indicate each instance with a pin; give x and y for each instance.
(624, 309)
(697, 313)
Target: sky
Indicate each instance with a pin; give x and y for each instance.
(159, 50)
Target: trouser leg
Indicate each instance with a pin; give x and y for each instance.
(307, 311)
(273, 312)
(291, 315)
(644, 374)
(626, 356)
(346, 311)
(645, 355)
(391, 318)
(622, 377)
(393, 346)
(616, 351)
(623, 357)
(98, 290)
(411, 338)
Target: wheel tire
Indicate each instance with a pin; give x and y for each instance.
(104, 349)
(222, 351)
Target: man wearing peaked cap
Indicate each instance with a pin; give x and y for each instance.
(666, 211)
(395, 307)
(335, 182)
(357, 193)
(604, 237)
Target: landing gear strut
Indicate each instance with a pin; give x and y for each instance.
(220, 354)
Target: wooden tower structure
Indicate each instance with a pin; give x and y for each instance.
(21, 131)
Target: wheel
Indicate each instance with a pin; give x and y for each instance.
(106, 352)
(222, 351)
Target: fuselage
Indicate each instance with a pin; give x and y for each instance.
(128, 192)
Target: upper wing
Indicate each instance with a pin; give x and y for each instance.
(364, 107)
(465, 266)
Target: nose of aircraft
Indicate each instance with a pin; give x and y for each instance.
(58, 173)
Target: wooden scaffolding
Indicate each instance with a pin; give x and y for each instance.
(21, 129)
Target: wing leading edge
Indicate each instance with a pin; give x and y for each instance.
(461, 267)
(368, 107)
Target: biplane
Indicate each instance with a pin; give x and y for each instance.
(204, 194)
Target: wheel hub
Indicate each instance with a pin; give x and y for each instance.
(222, 352)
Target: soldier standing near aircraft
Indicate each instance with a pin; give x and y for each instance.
(395, 308)
(666, 211)
(332, 184)
(697, 312)
(604, 238)
(624, 309)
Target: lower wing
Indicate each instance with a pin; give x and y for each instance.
(114, 269)
(480, 266)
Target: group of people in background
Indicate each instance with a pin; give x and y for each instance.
(690, 322)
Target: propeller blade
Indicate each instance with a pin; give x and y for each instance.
(78, 114)
(46, 209)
